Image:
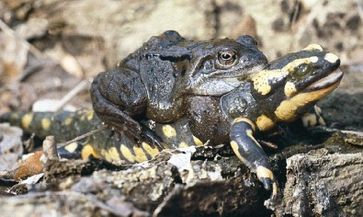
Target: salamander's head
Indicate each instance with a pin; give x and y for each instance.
(298, 80)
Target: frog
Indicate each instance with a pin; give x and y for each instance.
(156, 81)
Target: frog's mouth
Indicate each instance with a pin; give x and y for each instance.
(239, 73)
(326, 82)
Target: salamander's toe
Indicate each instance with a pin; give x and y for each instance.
(266, 176)
(267, 183)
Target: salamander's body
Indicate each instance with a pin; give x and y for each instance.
(187, 115)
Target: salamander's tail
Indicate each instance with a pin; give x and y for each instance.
(62, 125)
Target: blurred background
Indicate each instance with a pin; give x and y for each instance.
(47, 47)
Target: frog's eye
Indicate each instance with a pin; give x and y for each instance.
(227, 58)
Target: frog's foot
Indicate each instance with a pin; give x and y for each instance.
(131, 127)
(151, 137)
(313, 118)
(250, 152)
(144, 134)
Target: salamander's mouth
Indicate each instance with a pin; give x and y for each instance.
(326, 81)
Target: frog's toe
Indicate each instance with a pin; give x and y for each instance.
(151, 137)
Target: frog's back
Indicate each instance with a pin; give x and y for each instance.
(156, 62)
(152, 47)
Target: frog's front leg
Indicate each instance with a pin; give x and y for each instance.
(250, 152)
(118, 97)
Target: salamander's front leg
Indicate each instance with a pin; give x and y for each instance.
(249, 151)
(313, 117)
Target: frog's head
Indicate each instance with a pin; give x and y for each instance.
(216, 67)
(297, 80)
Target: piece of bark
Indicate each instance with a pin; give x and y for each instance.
(322, 184)
(67, 203)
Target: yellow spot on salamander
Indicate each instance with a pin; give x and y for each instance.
(89, 115)
(169, 131)
(235, 149)
(249, 133)
(87, 151)
(127, 153)
(183, 145)
(314, 59)
(286, 111)
(151, 151)
(264, 123)
(197, 141)
(140, 155)
(261, 80)
(312, 47)
(26, 120)
(331, 58)
(114, 155)
(290, 89)
(263, 172)
(68, 121)
(111, 155)
(105, 155)
(45, 123)
(71, 147)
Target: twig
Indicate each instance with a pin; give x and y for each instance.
(72, 93)
(82, 136)
(29, 71)
(7, 30)
(50, 149)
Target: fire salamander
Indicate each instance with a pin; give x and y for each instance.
(147, 115)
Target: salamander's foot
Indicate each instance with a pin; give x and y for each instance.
(250, 152)
(267, 179)
(313, 118)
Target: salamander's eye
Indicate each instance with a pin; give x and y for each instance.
(302, 69)
(227, 58)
